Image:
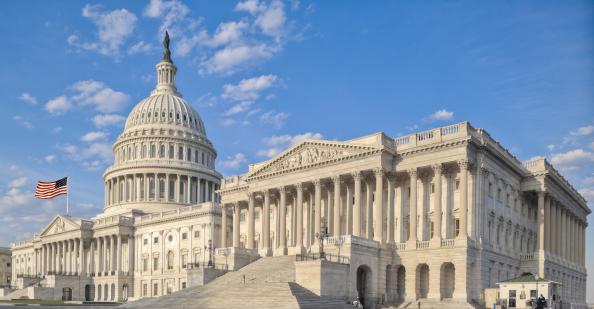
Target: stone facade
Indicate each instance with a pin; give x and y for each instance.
(160, 217)
(5, 268)
(440, 214)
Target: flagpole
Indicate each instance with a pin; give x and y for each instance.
(67, 195)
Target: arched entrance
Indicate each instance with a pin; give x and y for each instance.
(125, 292)
(113, 292)
(363, 283)
(400, 283)
(89, 292)
(99, 292)
(389, 295)
(66, 294)
(448, 280)
(422, 282)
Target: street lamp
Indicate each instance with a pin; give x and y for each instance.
(321, 236)
(210, 253)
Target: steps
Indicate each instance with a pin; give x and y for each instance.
(16, 294)
(436, 304)
(266, 283)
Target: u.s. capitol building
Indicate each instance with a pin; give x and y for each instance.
(434, 216)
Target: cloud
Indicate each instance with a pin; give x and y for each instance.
(28, 98)
(250, 6)
(172, 14)
(238, 108)
(588, 194)
(113, 29)
(235, 161)
(103, 98)
(50, 158)
(278, 143)
(58, 105)
(228, 32)
(573, 159)
(108, 120)
(22, 121)
(14, 196)
(277, 119)
(270, 17)
(19, 182)
(140, 47)
(92, 156)
(233, 58)
(575, 135)
(94, 136)
(248, 89)
(441, 115)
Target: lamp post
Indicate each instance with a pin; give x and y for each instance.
(210, 248)
(321, 236)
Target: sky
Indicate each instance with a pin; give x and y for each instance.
(266, 75)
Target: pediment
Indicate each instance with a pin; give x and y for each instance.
(59, 225)
(309, 154)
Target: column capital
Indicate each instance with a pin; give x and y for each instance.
(317, 182)
(282, 189)
(464, 164)
(437, 168)
(335, 178)
(412, 171)
(299, 186)
(357, 175)
(379, 171)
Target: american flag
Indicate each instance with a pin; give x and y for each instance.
(51, 189)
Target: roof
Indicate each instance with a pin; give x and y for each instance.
(525, 278)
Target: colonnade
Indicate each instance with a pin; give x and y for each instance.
(145, 187)
(107, 253)
(348, 204)
(64, 257)
(561, 233)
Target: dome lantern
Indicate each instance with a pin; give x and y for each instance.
(166, 71)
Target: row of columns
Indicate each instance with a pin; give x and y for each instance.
(358, 214)
(60, 257)
(560, 231)
(147, 187)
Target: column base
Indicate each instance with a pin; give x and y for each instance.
(280, 251)
(296, 250)
(435, 243)
(265, 252)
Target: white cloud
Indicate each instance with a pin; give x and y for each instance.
(248, 89)
(113, 29)
(272, 19)
(574, 136)
(94, 136)
(57, 129)
(22, 121)
(28, 98)
(238, 108)
(107, 120)
(93, 156)
(278, 143)
(232, 58)
(235, 161)
(250, 6)
(186, 44)
(172, 14)
(140, 47)
(440, 115)
(573, 159)
(19, 182)
(588, 194)
(228, 32)
(589, 180)
(50, 158)
(59, 105)
(103, 98)
(277, 119)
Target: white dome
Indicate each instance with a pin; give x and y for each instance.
(166, 108)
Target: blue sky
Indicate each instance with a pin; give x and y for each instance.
(265, 75)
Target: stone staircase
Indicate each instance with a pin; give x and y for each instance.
(436, 304)
(266, 283)
(16, 294)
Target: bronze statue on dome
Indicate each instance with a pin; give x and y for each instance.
(166, 51)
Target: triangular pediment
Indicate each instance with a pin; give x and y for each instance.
(309, 154)
(59, 225)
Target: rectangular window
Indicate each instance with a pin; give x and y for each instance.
(156, 240)
(184, 260)
(155, 289)
(183, 285)
(144, 289)
(155, 263)
(196, 234)
(457, 227)
(171, 151)
(457, 184)
(533, 294)
(184, 235)
(196, 156)
(145, 241)
(180, 153)
(145, 264)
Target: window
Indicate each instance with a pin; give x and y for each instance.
(144, 289)
(170, 238)
(189, 154)
(156, 240)
(183, 285)
(499, 195)
(155, 289)
(171, 152)
(153, 151)
(457, 184)
(432, 229)
(184, 236)
(145, 264)
(533, 294)
(490, 189)
(155, 263)
(512, 293)
(457, 227)
(180, 153)
(184, 260)
(196, 234)
(161, 188)
(171, 188)
(196, 156)
(162, 151)
(170, 258)
(143, 155)
(432, 188)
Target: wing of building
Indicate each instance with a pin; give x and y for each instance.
(438, 215)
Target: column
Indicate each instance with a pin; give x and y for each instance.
(357, 205)
(554, 232)
(412, 217)
(177, 194)
(188, 195)
(378, 208)
(283, 220)
(223, 228)
(541, 219)
(118, 252)
(318, 209)
(391, 207)
(437, 169)
(336, 207)
(563, 243)
(299, 227)
(131, 252)
(368, 209)
(464, 165)
(266, 223)
(199, 191)
(236, 225)
(250, 221)
(548, 235)
(348, 208)
(330, 209)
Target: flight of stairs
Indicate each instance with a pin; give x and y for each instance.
(436, 304)
(266, 283)
(16, 294)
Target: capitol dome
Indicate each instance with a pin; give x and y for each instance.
(163, 158)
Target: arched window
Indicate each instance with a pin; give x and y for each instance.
(143, 154)
(189, 154)
(196, 156)
(123, 155)
(162, 151)
(171, 151)
(153, 151)
(180, 152)
(170, 259)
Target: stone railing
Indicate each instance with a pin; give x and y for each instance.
(355, 240)
(527, 257)
(231, 182)
(433, 136)
(23, 243)
(400, 246)
(182, 211)
(448, 242)
(114, 220)
(335, 240)
(423, 244)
